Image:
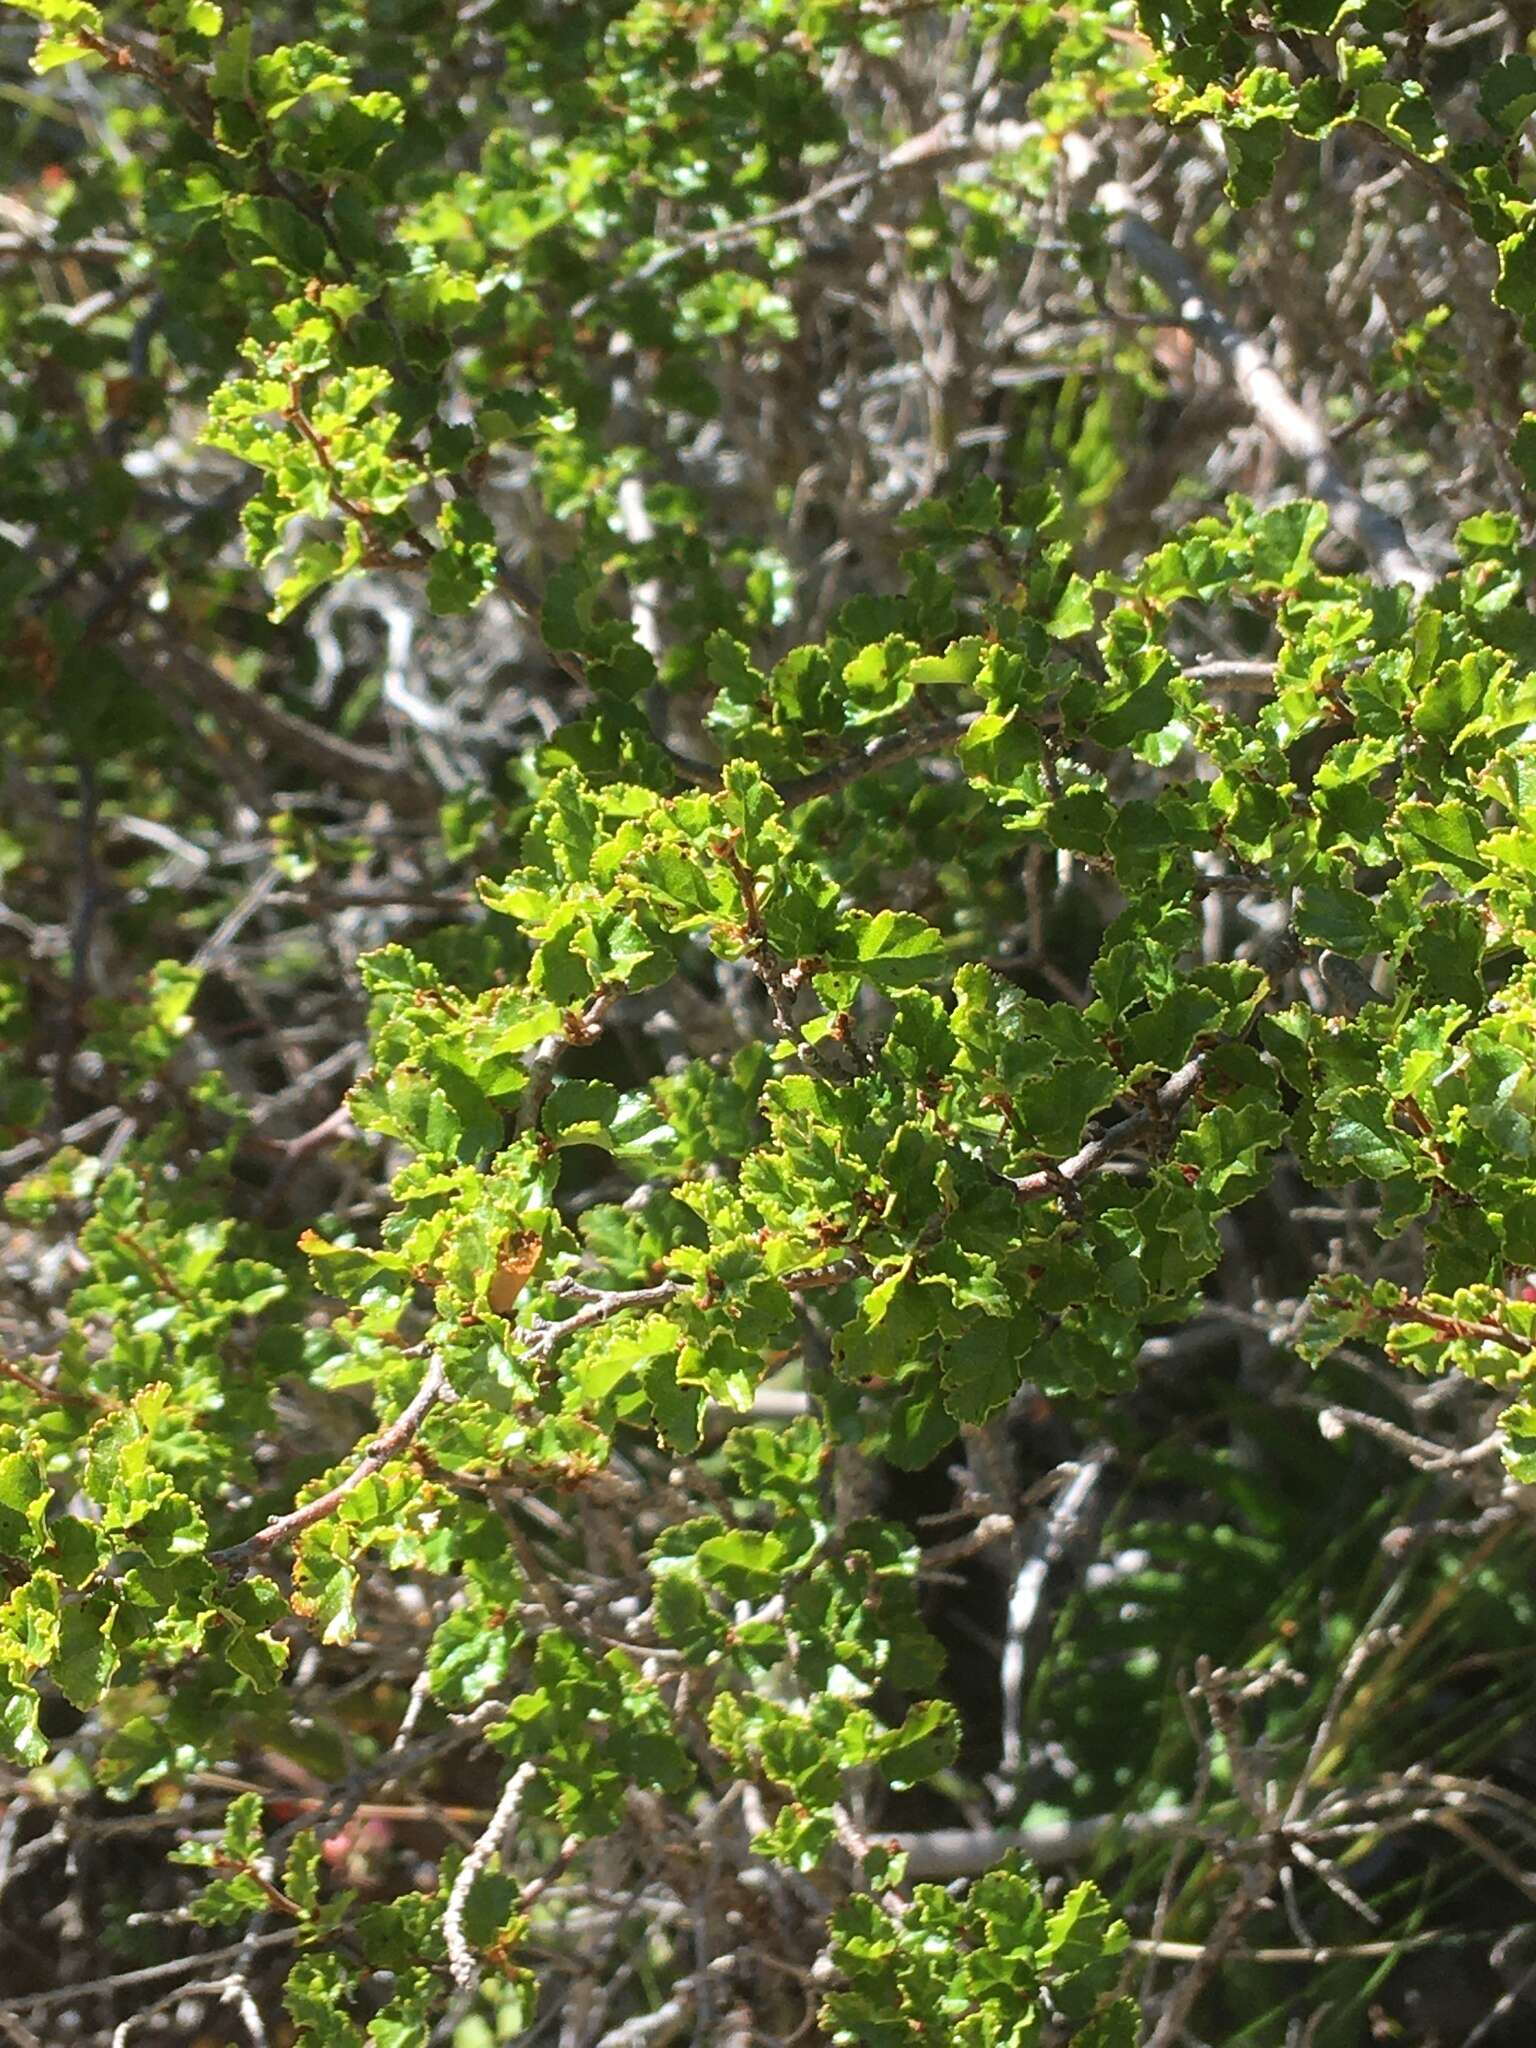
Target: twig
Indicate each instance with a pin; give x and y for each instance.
(1459, 1328)
(1488, 2025)
(580, 1027)
(1222, 1691)
(1458, 1825)
(522, 596)
(836, 1274)
(881, 753)
(89, 248)
(769, 1404)
(652, 2029)
(229, 499)
(241, 1557)
(153, 1973)
(1422, 1452)
(1169, 1100)
(857, 1846)
(1175, 2014)
(228, 1990)
(55, 1396)
(82, 926)
(540, 1341)
(326, 1817)
(600, 1307)
(937, 142)
(74, 1134)
(230, 926)
(461, 1960)
(1173, 1868)
(1319, 1957)
(1213, 670)
(986, 1532)
(329, 896)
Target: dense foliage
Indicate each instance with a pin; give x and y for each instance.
(767, 1023)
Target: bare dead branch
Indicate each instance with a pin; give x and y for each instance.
(1378, 535)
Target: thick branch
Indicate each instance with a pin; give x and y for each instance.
(1035, 1563)
(947, 1853)
(1376, 533)
(356, 768)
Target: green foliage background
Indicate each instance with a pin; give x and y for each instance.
(768, 979)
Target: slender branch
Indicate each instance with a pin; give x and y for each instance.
(241, 1557)
(215, 509)
(104, 1987)
(651, 2029)
(934, 144)
(325, 896)
(769, 1404)
(837, 1274)
(320, 447)
(579, 1027)
(522, 596)
(540, 1342)
(1423, 1452)
(1319, 1957)
(55, 1396)
(1168, 1102)
(1048, 1181)
(1460, 1329)
(881, 753)
(1259, 673)
(884, 752)
(356, 768)
(346, 1802)
(461, 1958)
(600, 1308)
(1175, 2014)
(89, 248)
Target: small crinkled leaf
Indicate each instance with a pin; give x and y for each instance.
(893, 949)
(1507, 95)
(581, 1112)
(743, 1563)
(325, 1589)
(1362, 1135)
(1517, 1424)
(927, 1742)
(611, 1354)
(1339, 918)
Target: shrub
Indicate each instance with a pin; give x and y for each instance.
(765, 796)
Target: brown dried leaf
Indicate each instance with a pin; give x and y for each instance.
(519, 1255)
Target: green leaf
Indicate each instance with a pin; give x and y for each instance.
(1362, 1135)
(581, 1113)
(1507, 95)
(1339, 918)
